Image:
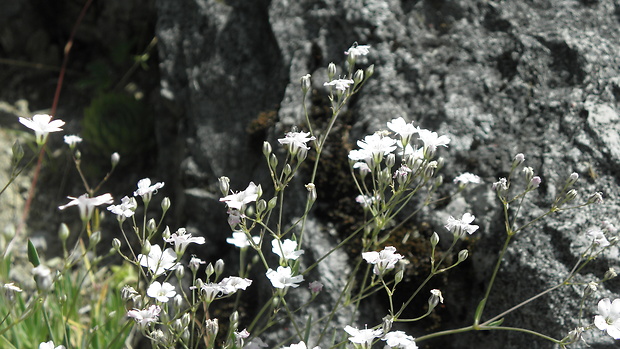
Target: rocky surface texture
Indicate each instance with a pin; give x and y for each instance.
(498, 77)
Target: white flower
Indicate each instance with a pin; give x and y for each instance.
(432, 140)
(238, 200)
(146, 190)
(405, 130)
(300, 345)
(282, 277)
(181, 238)
(157, 261)
(286, 249)
(211, 290)
(466, 178)
(598, 237)
(161, 292)
(240, 239)
(339, 84)
(377, 145)
(87, 205)
(72, 140)
(145, 316)
(42, 125)
(255, 343)
(357, 50)
(50, 345)
(609, 317)
(458, 227)
(383, 260)
(296, 141)
(365, 200)
(435, 298)
(233, 283)
(363, 337)
(399, 339)
(126, 209)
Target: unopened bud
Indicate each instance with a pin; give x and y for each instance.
(146, 248)
(610, 274)
(596, 198)
(179, 272)
(185, 319)
(591, 287)
(518, 160)
(267, 149)
(399, 276)
(18, 152)
(151, 225)
(528, 172)
(166, 233)
(370, 70)
(302, 154)
(434, 299)
(534, 183)
(434, 239)
(209, 270)
(224, 183)
(165, 204)
(212, 326)
(116, 244)
(387, 323)
(261, 205)
(358, 76)
(272, 203)
(219, 267)
(311, 192)
(9, 231)
(572, 179)
(331, 71)
(390, 160)
(115, 158)
(287, 170)
(305, 83)
(94, 239)
(462, 256)
(571, 195)
(273, 161)
(63, 232)
(234, 319)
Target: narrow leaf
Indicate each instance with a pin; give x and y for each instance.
(33, 256)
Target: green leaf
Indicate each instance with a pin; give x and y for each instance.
(496, 322)
(479, 310)
(33, 256)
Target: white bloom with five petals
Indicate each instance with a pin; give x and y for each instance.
(459, 227)
(399, 339)
(145, 316)
(161, 292)
(286, 249)
(339, 84)
(146, 190)
(403, 129)
(238, 200)
(42, 125)
(240, 239)
(157, 261)
(181, 238)
(87, 205)
(384, 260)
(357, 50)
(609, 317)
(432, 140)
(362, 337)
(296, 141)
(126, 209)
(283, 277)
(50, 345)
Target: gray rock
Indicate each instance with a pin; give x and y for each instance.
(499, 78)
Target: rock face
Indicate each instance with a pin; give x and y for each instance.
(499, 77)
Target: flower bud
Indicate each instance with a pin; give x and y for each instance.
(63, 232)
(151, 225)
(434, 299)
(390, 160)
(331, 71)
(440, 162)
(610, 274)
(429, 171)
(528, 172)
(305, 83)
(387, 324)
(596, 198)
(115, 158)
(185, 319)
(272, 203)
(209, 270)
(311, 192)
(534, 183)
(434, 239)
(219, 267)
(273, 161)
(302, 154)
(572, 179)
(462, 256)
(127, 293)
(94, 239)
(165, 204)
(518, 160)
(9, 231)
(166, 233)
(77, 155)
(18, 152)
(571, 195)
(261, 205)
(438, 181)
(358, 76)
(178, 301)
(179, 272)
(146, 248)
(399, 277)
(234, 319)
(267, 149)
(116, 244)
(224, 183)
(287, 170)
(370, 70)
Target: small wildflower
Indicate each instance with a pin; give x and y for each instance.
(233, 283)
(87, 205)
(597, 236)
(255, 343)
(282, 277)
(459, 227)
(383, 260)
(296, 141)
(146, 190)
(50, 345)
(161, 292)
(357, 50)
(363, 337)
(240, 239)
(42, 125)
(399, 339)
(72, 140)
(609, 317)
(432, 140)
(145, 316)
(518, 160)
(339, 84)
(403, 129)
(287, 249)
(596, 198)
(501, 185)
(315, 287)
(534, 183)
(126, 209)
(181, 238)
(435, 298)
(238, 200)
(157, 261)
(467, 178)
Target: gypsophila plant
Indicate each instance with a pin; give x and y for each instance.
(174, 300)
